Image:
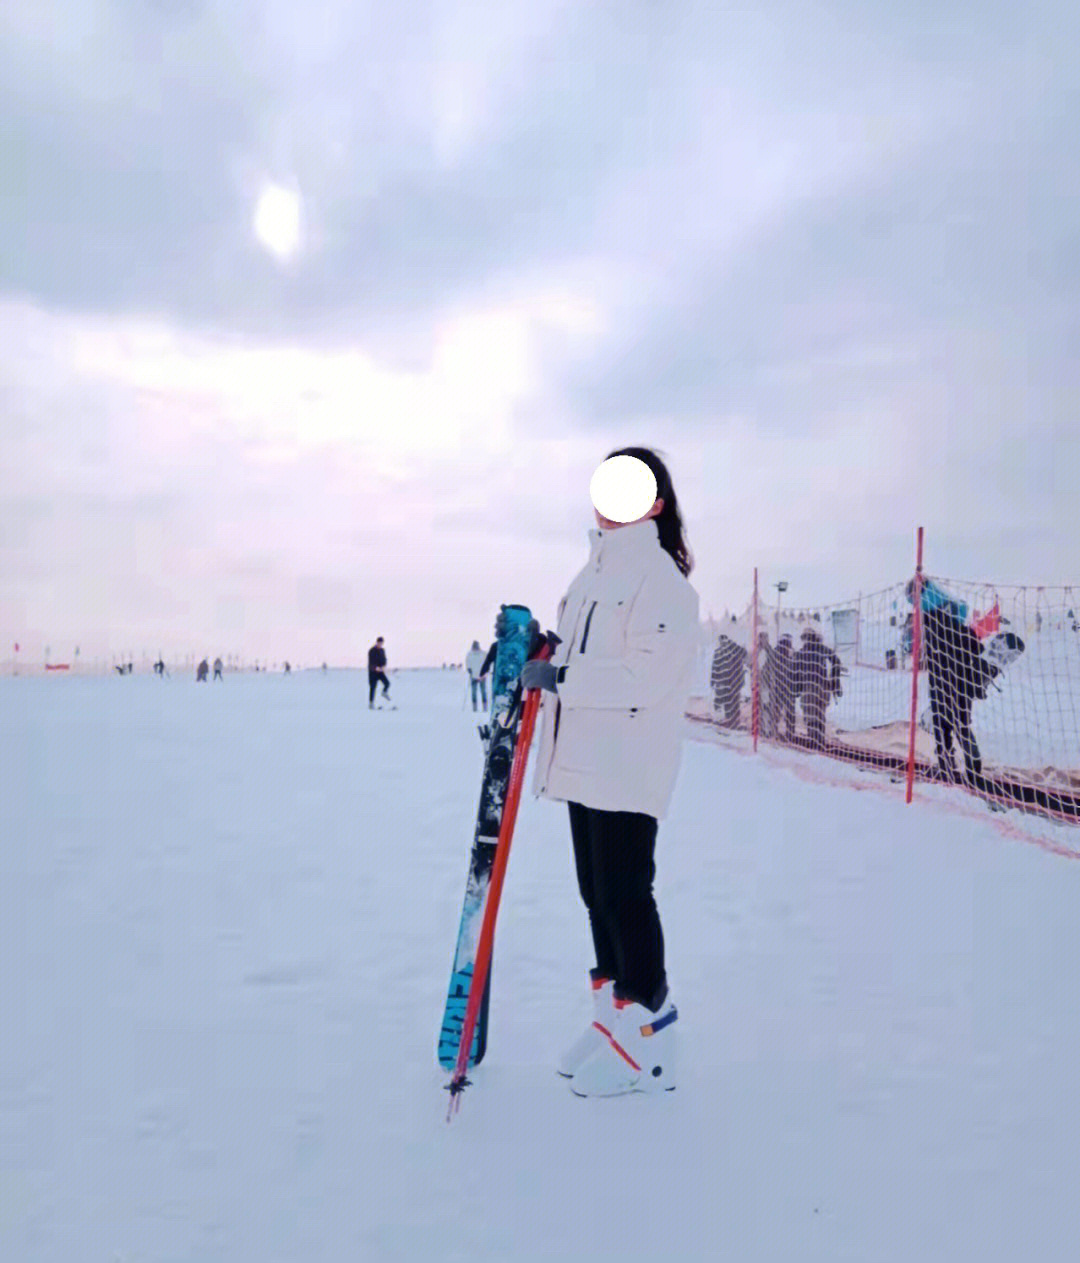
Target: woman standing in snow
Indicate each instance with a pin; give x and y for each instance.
(610, 748)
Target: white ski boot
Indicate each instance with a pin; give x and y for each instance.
(595, 1033)
(638, 1055)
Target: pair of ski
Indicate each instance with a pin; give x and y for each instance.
(508, 735)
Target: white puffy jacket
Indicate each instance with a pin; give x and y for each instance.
(474, 660)
(612, 737)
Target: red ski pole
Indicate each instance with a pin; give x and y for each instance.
(458, 1081)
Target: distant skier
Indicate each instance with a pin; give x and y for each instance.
(726, 679)
(610, 748)
(376, 671)
(474, 664)
(202, 673)
(218, 668)
(816, 670)
(286, 668)
(159, 666)
(958, 674)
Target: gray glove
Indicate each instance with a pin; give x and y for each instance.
(539, 675)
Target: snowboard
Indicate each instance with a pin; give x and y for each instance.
(515, 635)
(1003, 648)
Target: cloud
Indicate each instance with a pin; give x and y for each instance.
(138, 143)
(826, 259)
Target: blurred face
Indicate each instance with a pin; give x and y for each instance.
(623, 491)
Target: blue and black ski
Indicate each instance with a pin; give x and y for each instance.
(514, 642)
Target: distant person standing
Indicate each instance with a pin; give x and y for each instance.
(376, 671)
(766, 691)
(817, 680)
(726, 678)
(202, 674)
(783, 685)
(159, 666)
(474, 664)
(218, 668)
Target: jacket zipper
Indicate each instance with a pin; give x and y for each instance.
(585, 634)
(558, 703)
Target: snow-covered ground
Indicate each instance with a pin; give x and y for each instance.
(227, 916)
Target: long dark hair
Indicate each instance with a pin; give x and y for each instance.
(669, 521)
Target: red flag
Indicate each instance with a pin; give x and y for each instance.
(984, 624)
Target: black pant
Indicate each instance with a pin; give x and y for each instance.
(783, 708)
(951, 717)
(728, 701)
(814, 702)
(614, 856)
(373, 683)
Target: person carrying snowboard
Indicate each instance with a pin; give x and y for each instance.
(610, 748)
(958, 674)
(376, 671)
(474, 664)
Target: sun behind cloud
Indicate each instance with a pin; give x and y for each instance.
(277, 220)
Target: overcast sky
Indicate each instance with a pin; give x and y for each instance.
(826, 257)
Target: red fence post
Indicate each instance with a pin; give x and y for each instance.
(916, 654)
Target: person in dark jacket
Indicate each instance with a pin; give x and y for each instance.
(203, 672)
(766, 692)
(783, 689)
(958, 675)
(376, 672)
(817, 680)
(726, 678)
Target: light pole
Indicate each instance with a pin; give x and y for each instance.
(781, 588)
